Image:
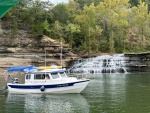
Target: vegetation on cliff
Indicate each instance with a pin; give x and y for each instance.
(85, 25)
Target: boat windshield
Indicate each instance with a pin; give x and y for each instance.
(63, 74)
(55, 75)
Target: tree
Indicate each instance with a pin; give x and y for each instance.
(87, 25)
(134, 2)
(112, 15)
(71, 30)
(87, 21)
(60, 13)
(139, 22)
(57, 30)
(82, 3)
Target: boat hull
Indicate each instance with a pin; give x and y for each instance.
(72, 87)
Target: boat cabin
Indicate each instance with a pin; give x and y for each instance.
(45, 76)
(45, 80)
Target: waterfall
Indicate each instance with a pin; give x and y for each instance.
(100, 64)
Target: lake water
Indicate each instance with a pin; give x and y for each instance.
(106, 93)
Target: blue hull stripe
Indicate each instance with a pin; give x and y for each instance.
(46, 86)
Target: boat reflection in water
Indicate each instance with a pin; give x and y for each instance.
(44, 103)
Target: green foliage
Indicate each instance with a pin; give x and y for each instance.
(41, 28)
(60, 13)
(111, 42)
(87, 2)
(136, 2)
(104, 45)
(14, 30)
(87, 25)
(71, 29)
(58, 31)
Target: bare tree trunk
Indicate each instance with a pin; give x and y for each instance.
(1, 31)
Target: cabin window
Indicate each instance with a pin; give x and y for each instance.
(55, 75)
(28, 76)
(62, 74)
(47, 76)
(39, 76)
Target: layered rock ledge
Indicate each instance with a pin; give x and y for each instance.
(44, 51)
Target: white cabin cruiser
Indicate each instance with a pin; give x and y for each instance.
(45, 81)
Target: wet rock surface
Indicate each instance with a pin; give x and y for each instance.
(138, 62)
(117, 63)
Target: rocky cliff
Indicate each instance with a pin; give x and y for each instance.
(24, 49)
(138, 62)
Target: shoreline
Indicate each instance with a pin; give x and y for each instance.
(8, 62)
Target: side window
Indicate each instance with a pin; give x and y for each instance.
(55, 75)
(39, 76)
(62, 74)
(28, 76)
(47, 76)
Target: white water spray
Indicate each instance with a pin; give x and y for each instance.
(100, 64)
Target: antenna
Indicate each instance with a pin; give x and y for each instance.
(61, 52)
(45, 58)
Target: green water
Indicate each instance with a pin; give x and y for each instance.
(106, 93)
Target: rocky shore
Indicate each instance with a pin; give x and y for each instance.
(45, 50)
(111, 63)
(24, 49)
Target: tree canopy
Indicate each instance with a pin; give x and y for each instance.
(92, 26)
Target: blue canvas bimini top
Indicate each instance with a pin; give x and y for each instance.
(24, 69)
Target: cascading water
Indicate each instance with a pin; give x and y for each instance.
(100, 64)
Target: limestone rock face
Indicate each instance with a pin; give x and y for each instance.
(47, 41)
(33, 51)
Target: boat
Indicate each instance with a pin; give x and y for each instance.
(51, 79)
